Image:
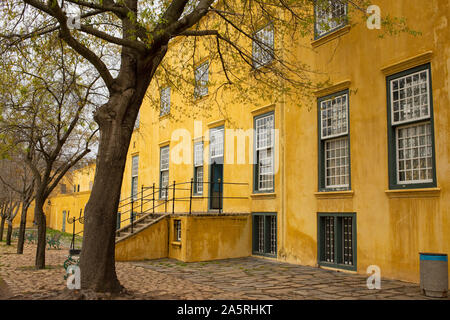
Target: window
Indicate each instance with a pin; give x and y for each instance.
(177, 230)
(263, 46)
(216, 143)
(198, 168)
(201, 80)
(165, 102)
(134, 177)
(334, 142)
(63, 188)
(337, 240)
(264, 153)
(330, 15)
(265, 234)
(164, 172)
(411, 129)
(78, 188)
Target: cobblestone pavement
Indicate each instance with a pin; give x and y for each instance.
(245, 278)
(255, 278)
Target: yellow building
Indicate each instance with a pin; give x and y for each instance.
(357, 177)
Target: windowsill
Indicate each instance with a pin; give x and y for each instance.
(264, 195)
(334, 194)
(164, 116)
(414, 193)
(331, 36)
(337, 267)
(176, 243)
(264, 67)
(197, 196)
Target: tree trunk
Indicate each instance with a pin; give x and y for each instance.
(9, 234)
(22, 228)
(41, 243)
(97, 261)
(2, 228)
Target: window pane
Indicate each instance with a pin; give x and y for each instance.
(201, 80)
(165, 101)
(329, 239)
(263, 46)
(198, 154)
(347, 234)
(334, 116)
(330, 15)
(337, 163)
(199, 179)
(410, 97)
(216, 143)
(414, 153)
(164, 158)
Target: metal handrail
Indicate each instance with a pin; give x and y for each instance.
(164, 201)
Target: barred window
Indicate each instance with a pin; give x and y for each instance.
(337, 240)
(177, 230)
(263, 46)
(265, 234)
(201, 80)
(330, 15)
(164, 172)
(264, 168)
(134, 177)
(165, 101)
(411, 149)
(198, 167)
(334, 156)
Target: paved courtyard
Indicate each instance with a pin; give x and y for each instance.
(244, 278)
(256, 278)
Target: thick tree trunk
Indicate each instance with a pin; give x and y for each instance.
(2, 228)
(98, 251)
(9, 234)
(42, 230)
(22, 228)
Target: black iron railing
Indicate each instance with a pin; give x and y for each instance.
(80, 219)
(134, 205)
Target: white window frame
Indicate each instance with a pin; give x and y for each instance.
(198, 164)
(134, 177)
(328, 19)
(201, 78)
(420, 94)
(265, 148)
(165, 101)
(216, 144)
(263, 46)
(164, 171)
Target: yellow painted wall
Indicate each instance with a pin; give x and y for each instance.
(392, 227)
(151, 243)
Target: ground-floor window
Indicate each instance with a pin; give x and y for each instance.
(265, 233)
(337, 240)
(177, 230)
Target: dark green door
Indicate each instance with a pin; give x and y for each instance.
(216, 187)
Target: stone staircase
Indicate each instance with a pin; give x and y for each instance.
(139, 224)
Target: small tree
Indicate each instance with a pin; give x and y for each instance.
(46, 96)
